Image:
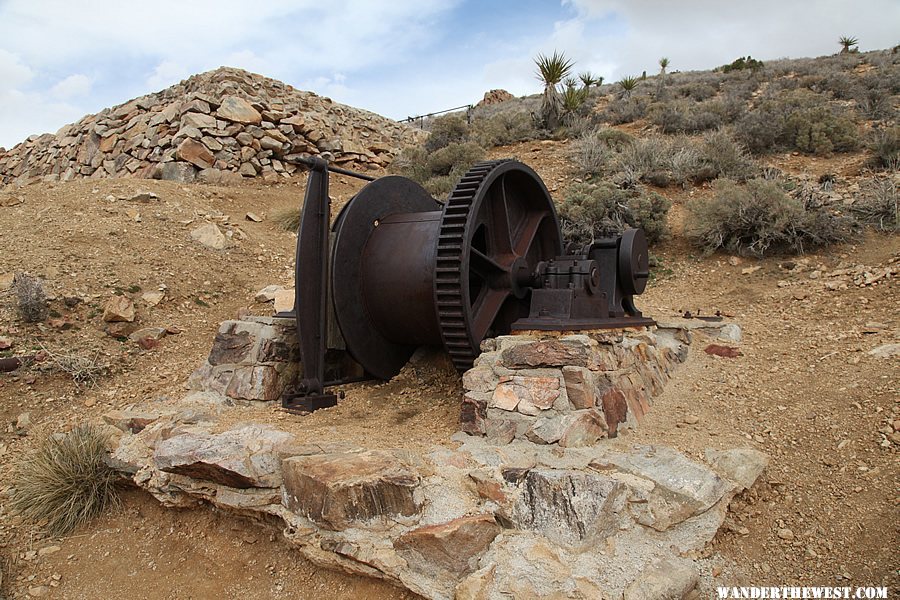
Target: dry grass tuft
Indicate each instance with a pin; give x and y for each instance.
(66, 481)
(84, 369)
(288, 219)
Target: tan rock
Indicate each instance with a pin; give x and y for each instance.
(238, 110)
(153, 298)
(453, 547)
(196, 153)
(210, 236)
(284, 300)
(119, 309)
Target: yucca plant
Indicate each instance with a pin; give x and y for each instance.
(587, 79)
(572, 99)
(628, 84)
(663, 64)
(847, 42)
(551, 70)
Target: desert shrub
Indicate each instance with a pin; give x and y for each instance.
(683, 116)
(437, 171)
(31, 301)
(65, 481)
(725, 157)
(595, 150)
(820, 131)
(884, 144)
(880, 205)
(503, 129)
(799, 119)
(446, 130)
(875, 103)
(685, 163)
(593, 211)
(741, 64)
(645, 155)
(626, 110)
(698, 91)
(759, 218)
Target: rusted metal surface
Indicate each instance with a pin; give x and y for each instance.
(405, 271)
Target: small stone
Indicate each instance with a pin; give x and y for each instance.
(38, 591)
(284, 301)
(119, 309)
(210, 236)
(750, 270)
(5, 343)
(785, 534)
(155, 333)
(885, 351)
(691, 419)
(723, 351)
(141, 196)
(23, 422)
(267, 294)
(253, 217)
(153, 298)
(48, 550)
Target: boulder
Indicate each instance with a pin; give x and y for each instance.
(340, 490)
(118, 309)
(448, 550)
(195, 153)
(238, 110)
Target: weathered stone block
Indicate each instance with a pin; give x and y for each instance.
(239, 458)
(472, 414)
(585, 429)
(570, 508)
(339, 490)
(450, 548)
(550, 353)
(580, 387)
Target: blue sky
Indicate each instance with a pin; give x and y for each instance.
(62, 59)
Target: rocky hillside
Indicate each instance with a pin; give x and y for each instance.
(214, 126)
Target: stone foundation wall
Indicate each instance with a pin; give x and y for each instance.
(251, 359)
(570, 390)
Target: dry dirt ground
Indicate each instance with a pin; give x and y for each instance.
(805, 390)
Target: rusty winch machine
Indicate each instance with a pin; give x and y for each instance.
(399, 270)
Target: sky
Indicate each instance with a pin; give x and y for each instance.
(63, 59)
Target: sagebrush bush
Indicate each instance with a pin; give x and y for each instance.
(725, 157)
(65, 481)
(593, 211)
(446, 130)
(759, 218)
(437, 171)
(879, 205)
(798, 119)
(503, 129)
(884, 144)
(31, 300)
(684, 116)
(595, 151)
(626, 110)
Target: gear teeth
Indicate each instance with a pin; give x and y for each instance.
(448, 279)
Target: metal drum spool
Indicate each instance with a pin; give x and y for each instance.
(407, 271)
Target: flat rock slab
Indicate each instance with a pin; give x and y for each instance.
(448, 548)
(339, 490)
(240, 458)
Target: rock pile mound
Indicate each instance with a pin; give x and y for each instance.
(221, 124)
(495, 97)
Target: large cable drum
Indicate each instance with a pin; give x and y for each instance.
(407, 271)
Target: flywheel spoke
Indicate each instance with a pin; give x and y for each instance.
(485, 310)
(484, 266)
(528, 233)
(499, 219)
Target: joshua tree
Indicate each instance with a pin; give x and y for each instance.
(847, 42)
(660, 86)
(551, 70)
(628, 84)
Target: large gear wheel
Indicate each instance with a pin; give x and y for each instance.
(498, 223)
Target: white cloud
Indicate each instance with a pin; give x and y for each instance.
(73, 85)
(13, 74)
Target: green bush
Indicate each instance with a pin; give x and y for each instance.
(593, 211)
(798, 119)
(742, 63)
(66, 481)
(438, 171)
(503, 129)
(760, 218)
(446, 130)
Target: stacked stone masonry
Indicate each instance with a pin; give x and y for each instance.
(216, 127)
(570, 390)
